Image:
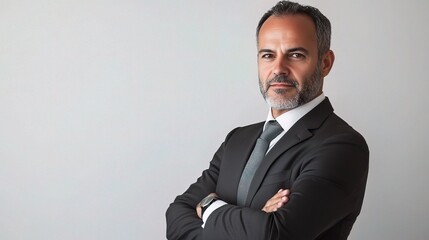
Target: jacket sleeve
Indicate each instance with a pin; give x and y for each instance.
(329, 187)
(182, 220)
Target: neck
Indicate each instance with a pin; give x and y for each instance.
(277, 112)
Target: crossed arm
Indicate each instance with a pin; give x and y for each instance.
(328, 189)
(184, 214)
(274, 203)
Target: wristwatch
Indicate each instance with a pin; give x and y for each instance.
(206, 202)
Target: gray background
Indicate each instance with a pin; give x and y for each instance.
(109, 109)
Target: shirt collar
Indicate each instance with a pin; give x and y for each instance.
(289, 118)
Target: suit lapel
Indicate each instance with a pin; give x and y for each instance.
(245, 143)
(290, 139)
(296, 134)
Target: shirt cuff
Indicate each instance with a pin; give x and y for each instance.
(217, 204)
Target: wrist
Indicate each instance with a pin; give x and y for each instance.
(207, 201)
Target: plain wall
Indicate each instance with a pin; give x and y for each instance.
(109, 109)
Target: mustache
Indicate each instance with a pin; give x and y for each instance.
(282, 79)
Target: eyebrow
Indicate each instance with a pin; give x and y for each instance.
(297, 49)
(264, 50)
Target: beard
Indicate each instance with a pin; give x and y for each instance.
(307, 91)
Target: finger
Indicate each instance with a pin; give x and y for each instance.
(269, 209)
(276, 205)
(279, 197)
(282, 202)
(277, 201)
(284, 192)
(281, 193)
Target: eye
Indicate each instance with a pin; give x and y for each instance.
(297, 55)
(267, 56)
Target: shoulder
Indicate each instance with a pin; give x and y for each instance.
(336, 128)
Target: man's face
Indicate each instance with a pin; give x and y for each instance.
(289, 71)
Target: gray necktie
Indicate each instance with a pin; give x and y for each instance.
(272, 130)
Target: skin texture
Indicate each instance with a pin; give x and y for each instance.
(287, 46)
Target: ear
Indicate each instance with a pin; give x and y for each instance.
(327, 62)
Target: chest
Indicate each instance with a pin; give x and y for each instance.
(276, 173)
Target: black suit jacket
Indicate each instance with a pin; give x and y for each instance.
(321, 159)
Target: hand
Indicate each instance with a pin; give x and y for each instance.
(277, 201)
(198, 207)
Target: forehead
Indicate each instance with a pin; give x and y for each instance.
(297, 28)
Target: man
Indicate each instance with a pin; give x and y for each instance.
(310, 179)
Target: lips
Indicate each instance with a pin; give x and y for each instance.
(281, 85)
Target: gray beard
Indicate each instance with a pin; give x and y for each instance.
(309, 90)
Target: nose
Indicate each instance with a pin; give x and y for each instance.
(280, 67)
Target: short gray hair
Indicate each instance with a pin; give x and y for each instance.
(322, 23)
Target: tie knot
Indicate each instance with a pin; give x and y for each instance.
(272, 129)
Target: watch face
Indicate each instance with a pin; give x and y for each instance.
(207, 200)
